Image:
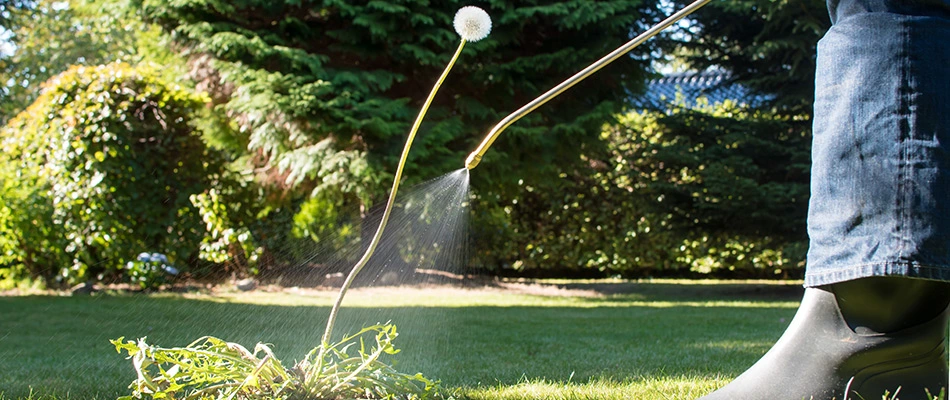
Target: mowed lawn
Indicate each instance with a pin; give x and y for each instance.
(550, 340)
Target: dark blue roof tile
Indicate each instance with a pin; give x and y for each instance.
(716, 87)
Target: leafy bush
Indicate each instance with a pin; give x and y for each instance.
(732, 183)
(30, 248)
(110, 158)
(228, 242)
(721, 187)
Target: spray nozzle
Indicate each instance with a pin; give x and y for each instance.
(472, 161)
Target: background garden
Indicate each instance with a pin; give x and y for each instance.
(177, 146)
(255, 137)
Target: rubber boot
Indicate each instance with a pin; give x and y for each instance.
(856, 340)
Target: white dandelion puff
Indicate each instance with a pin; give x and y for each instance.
(472, 23)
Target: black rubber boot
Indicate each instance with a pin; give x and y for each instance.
(856, 340)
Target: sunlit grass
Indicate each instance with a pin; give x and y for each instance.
(579, 341)
(537, 293)
(646, 388)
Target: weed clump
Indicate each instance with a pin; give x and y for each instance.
(211, 368)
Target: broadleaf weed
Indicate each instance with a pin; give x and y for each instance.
(211, 368)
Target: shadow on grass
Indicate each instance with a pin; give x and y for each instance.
(59, 345)
(693, 291)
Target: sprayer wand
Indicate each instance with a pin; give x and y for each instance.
(476, 156)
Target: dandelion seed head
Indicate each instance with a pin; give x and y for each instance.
(472, 23)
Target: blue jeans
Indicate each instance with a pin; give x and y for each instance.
(880, 186)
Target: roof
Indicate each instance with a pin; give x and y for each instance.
(715, 87)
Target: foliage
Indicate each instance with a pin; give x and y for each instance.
(767, 45)
(49, 36)
(722, 168)
(324, 91)
(321, 220)
(310, 101)
(714, 189)
(253, 228)
(719, 187)
(112, 159)
(9, 8)
(709, 190)
(150, 271)
(30, 248)
(211, 368)
(227, 242)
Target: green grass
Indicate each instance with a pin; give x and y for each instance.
(664, 340)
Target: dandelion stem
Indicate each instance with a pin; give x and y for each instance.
(389, 206)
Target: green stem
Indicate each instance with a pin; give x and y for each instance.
(389, 206)
(250, 377)
(365, 364)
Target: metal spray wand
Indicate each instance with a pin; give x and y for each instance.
(476, 156)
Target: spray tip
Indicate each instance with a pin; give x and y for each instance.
(472, 161)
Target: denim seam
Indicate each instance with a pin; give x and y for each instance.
(903, 166)
(907, 263)
(854, 271)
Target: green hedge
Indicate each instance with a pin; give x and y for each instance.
(99, 169)
(721, 187)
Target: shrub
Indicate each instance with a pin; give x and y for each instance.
(721, 187)
(110, 157)
(730, 183)
(30, 249)
(228, 242)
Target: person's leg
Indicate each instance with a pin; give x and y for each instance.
(874, 315)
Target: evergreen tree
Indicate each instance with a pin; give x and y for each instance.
(768, 46)
(323, 92)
